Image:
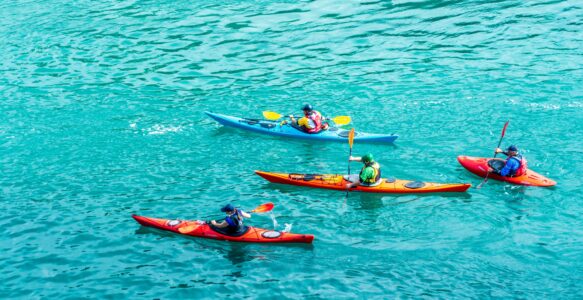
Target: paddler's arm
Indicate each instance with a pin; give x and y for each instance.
(498, 150)
(511, 164)
(355, 158)
(223, 224)
(245, 215)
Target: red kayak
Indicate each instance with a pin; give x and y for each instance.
(203, 230)
(479, 166)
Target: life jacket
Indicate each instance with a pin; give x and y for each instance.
(316, 117)
(235, 221)
(377, 173)
(521, 167)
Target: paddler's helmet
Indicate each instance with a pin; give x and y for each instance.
(512, 148)
(307, 108)
(367, 158)
(228, 208)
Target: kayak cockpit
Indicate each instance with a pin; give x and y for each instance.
(226, 232)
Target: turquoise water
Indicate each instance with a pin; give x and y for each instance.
(101, 116)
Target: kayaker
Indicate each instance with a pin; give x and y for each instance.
(515, 164)
(311, 122)
(370, 175)
(233, 222)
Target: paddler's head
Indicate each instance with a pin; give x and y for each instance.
(307, 109)
(229, 209)
(512, 150)
(368, 159)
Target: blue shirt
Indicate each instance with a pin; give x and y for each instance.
(512, 164)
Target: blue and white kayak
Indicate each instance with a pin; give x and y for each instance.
(275, 128)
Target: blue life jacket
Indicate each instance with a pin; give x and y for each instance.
(235, 221)
(520, 169)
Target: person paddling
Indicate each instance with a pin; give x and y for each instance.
(370, 174)
(515, 165)
(233, 223)
(311, 122)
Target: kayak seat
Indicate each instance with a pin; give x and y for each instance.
(332, 129)
(496, 164)
(414, 184)
(390, 180)
(224, 231)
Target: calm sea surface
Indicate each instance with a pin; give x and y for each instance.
(102, 115)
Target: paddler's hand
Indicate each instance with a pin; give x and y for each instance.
(490, 170)
(498, 150)
(348, 185)
(350, 158)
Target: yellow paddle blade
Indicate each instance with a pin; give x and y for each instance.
(342, 120)
(351, 138)
(271, 115)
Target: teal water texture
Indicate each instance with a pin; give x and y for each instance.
(101, 116)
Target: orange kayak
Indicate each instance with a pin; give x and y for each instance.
(203, 230)
(479, 166)
(338, 182)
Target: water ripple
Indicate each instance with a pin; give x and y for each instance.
(102, 116)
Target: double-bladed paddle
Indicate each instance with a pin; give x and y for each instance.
(266, 207)
(340, 120)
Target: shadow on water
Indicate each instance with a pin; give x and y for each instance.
(370, 201)
(240, 253)
(367, 200)
(375, 201)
